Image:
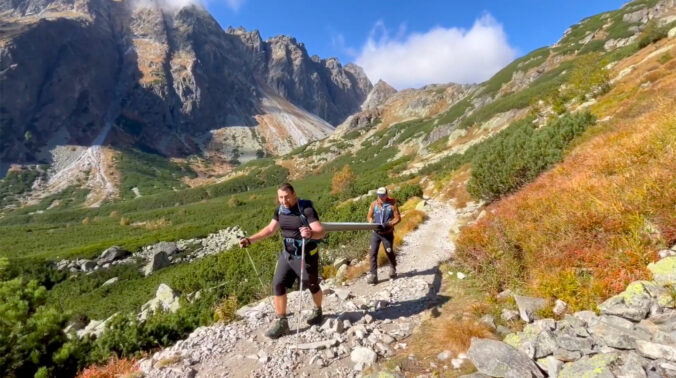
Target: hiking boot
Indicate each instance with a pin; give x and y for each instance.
(278, 330)
(371, 279)
(316, 317)
(393, 272)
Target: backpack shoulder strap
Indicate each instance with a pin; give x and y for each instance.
(301, 207)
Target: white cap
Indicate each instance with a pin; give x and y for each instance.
(381, 191)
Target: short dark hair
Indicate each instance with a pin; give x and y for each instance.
(286, 187)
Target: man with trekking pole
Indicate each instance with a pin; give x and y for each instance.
(300, 226)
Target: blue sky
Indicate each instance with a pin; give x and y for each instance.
(474, 38)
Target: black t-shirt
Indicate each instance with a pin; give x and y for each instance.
(291, 223)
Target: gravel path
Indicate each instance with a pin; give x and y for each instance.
(363, 322)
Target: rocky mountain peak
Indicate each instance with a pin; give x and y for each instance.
(378, 95)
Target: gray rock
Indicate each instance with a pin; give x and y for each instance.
(387, 339)
(612, 336)
(340, 261)
(509, 315)
(616, 321)
(528, 307)
(95, 327)
(664, 271)
(445, 355)
(631, 366)
(567, 355)
(170, 248)
(324, 344)
(110, 281)
(87, 266)
(488, 320)
(656, 351)
(165, 300)
(499, 359)
(551, 365)
(588, 317)
(111, 254)
(573, 343)
(158, 261)
(363, 355)
(342, 294)
(333, 326)
(340, 273)
(545, 344)
(502, 330)
(560, 307)
(633, 303)
(598, 366)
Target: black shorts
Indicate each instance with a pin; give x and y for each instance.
(288, 270)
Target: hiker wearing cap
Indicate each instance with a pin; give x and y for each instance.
(299, 222)
(383, 211)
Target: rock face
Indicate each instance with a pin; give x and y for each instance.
(378, 95)
(498, 359)
(158, 261)
(111, 254)
(163, 77)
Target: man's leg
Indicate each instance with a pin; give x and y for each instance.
(313, 285)
(388, 244)
(373, 255)
(280, 281)
(280, 305)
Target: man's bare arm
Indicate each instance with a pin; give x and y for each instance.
(268, 230)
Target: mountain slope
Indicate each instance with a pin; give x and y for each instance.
(170, 75)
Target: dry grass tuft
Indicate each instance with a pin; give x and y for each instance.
(152, 224)
(114, 368)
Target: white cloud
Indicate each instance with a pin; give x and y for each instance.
(173, 5)
(338, 42)
(440, 55)
(235, 5)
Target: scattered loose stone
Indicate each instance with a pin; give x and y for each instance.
(363, 355)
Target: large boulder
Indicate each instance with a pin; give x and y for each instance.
(158, 261)
(633, 303)
(170, 248)
(112, 254)
(95, 327)
(362, 355)
(165, 300)
(499, 359)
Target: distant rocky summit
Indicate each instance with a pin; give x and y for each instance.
(160, 78)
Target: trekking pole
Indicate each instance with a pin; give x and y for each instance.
(259, 277)
(300, 299)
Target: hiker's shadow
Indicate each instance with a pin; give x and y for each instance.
(407, 308)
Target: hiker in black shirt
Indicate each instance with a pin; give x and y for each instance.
(297, 220)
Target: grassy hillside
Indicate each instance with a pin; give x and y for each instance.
(588, 227)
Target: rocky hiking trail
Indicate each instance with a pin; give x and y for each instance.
(363, 323)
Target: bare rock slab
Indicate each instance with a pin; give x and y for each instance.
(499, 359)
